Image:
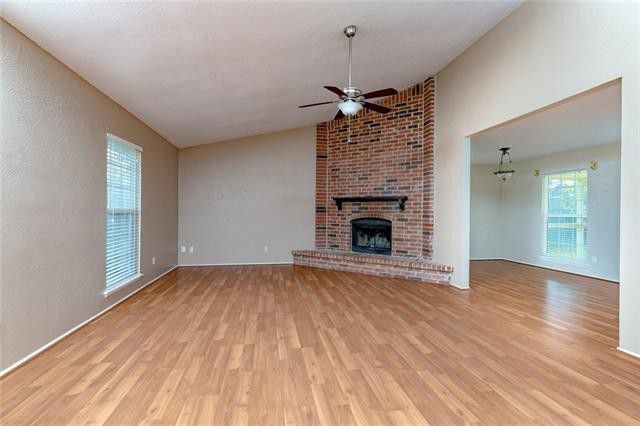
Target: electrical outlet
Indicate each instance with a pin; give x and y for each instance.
(191, 249)
(266, 249)
(153, 260)
(594, 259)
(183, 249)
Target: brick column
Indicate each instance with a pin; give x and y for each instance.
(428, 102)
(321, 186)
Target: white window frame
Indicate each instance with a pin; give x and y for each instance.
(544, 215)
(136, 276)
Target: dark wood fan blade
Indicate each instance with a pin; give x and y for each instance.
(335, 90)
(319, 103)
(375, 107)
(339, 115)
(380, 93)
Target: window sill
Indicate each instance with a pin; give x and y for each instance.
(108, 292)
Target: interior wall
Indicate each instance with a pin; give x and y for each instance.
(518, 221)
(53, 206)
(522, 205)
(542, 53)
(240, 196)
(486, 214)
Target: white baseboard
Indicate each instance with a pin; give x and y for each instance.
(628, 352)
(235, 264)
(552, 268)
(77, 327)
(457, 287)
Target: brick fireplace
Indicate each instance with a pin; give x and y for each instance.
(381, 156)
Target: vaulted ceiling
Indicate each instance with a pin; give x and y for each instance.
(207, 72)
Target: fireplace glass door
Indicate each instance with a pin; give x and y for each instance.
(371, 235)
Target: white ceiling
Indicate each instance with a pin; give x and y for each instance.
(589, 119)
(205, 72)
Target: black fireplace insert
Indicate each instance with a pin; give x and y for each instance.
(371, 235)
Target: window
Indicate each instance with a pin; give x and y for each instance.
(565, 215)
(123, 212)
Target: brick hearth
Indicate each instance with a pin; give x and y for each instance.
(389, 266)
(391, 154)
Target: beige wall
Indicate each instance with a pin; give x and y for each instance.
(236, 197)
(53, 181)
(486, 214)
(542, 53)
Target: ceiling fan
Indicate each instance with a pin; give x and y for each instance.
(352, 100)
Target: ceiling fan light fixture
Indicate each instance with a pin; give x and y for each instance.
(350, 107)
(352, 100)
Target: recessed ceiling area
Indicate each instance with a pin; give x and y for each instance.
(206, 72)
(589, 119)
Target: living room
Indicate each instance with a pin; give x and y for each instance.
(263, 213)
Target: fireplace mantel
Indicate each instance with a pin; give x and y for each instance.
(400, 199)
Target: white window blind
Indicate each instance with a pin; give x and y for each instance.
(123, 211)
(565, 215)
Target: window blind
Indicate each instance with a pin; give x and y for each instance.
(123, 211)
(565, 215)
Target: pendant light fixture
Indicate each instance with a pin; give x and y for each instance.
(502, 174)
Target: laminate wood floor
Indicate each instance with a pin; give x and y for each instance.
(274, 345)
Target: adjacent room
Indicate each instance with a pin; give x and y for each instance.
(329, 213)
(545, 189)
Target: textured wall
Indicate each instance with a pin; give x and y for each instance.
(388, 154)
(237, 197)
(522, 222)
(53, 178)
(486, 214)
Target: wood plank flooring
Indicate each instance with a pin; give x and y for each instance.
(271, 345)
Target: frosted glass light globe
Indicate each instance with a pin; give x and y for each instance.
(349, 107)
